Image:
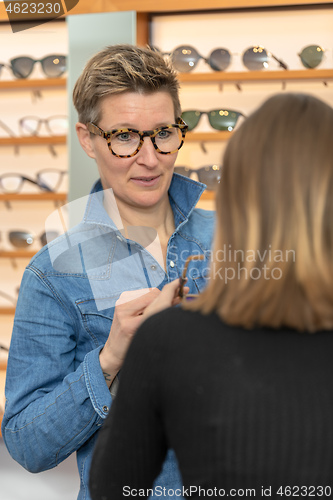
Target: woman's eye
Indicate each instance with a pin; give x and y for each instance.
(123, 136)
(164, 134)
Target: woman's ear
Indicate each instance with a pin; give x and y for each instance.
(85, 140)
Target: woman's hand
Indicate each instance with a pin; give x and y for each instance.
(168, 297)
(132, 308)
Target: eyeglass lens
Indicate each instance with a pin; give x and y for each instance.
(185, 58)
(53, 66)
(48, 180)
(311, 56)
(219, 119)
(55, 125)
(209, 175)
(23, 239)
(126, 142)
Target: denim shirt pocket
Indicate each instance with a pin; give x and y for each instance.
(97, 319)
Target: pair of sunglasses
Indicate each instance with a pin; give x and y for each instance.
(185, 58)
(311, 56)
(209, 175)
(219, 119)
(53, 65)
(46, 180)
(24, 239)
(54, 125)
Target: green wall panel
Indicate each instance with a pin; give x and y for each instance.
(89, 33)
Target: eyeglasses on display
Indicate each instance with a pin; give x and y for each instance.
(8, 297)
(219, 119)
(185, 58)
(311, 56)
(24, 239)
(55, 125)
(209, 175)
(183, 278)
(127, 142)
(13, 183)
(46, 180)
(53, 65)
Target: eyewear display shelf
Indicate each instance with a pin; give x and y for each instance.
(35, 85)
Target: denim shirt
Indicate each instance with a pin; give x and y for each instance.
(56, 395)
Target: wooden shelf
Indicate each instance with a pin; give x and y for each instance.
(257, 76)
(17, 254)
(33, 196)
(33, 84)
(33, 140)
(208, 195)
(207, 136)
(7, 310)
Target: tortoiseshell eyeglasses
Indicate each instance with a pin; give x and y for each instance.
(127, 142)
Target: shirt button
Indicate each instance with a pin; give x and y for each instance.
(172, 264)
(153, 267)
(119, 237)
(105, 409)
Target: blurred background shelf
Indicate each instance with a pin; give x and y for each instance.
(33, 84)
(33, 141)
(257, 76)
(33, 196)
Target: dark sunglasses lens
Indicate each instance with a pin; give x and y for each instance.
(311, 56)
(183, 171)
(219, 59)
(22, 66)
(191, 118)
(185, 58)
(255, 58)
(54, 66)
(210, 176)
(223, 119)
(48, 236)
(21, 239)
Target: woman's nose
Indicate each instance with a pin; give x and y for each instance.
(147, 154)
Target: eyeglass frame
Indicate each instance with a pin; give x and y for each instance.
(183, 278)
(181, 125)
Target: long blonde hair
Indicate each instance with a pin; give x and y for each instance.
(272, 260)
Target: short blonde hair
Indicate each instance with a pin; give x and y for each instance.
(123, 68)
(275, 209)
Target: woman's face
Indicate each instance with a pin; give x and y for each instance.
(143, 180)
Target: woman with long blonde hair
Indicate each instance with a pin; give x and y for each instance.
(239, 381)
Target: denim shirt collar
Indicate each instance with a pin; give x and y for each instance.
(184, 194)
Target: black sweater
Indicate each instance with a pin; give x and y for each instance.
(243, 409)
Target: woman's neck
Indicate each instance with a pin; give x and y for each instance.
(151, 227)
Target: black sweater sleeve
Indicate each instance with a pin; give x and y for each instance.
(131, 446)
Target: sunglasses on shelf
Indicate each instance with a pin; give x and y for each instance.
(219, 119)
(185, 58)
(311, 56)
(24, 239)
(209, 175)
(53, 65)
(46, 180)
(55, 125)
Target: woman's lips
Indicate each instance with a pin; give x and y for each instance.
(146, 181)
